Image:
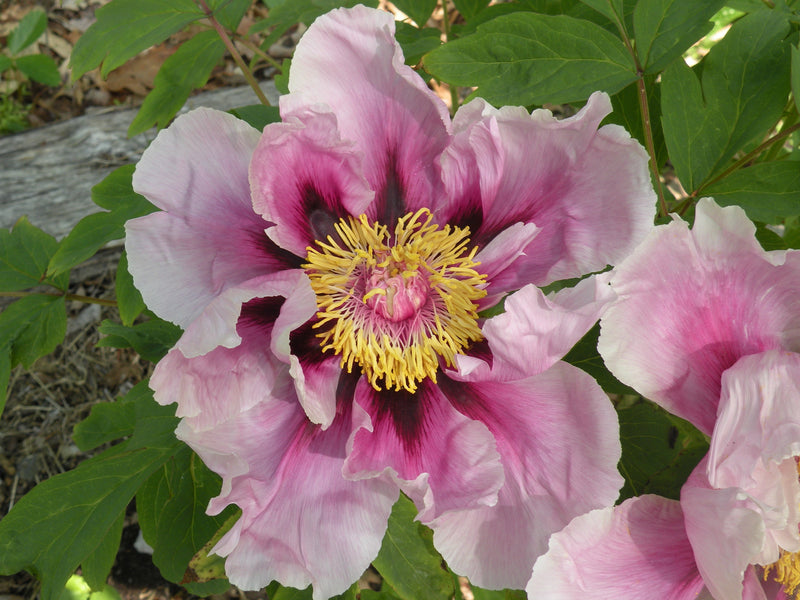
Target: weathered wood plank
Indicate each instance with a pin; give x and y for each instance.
(48, 173)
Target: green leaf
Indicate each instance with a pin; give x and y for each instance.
(172, 514)
(230, 12)
(184, 71)
(627, 112)
(416, 42)
(282, 79)
(109, 421)
(40, 68)
(767, 191)
(27, 31)
(419, 10)
(585, 356)
(613, 9)
(5, 63)
(659, 450)
(745, 84)
(664, 29)
(257, 115)
(151, 339)
(65, 519)
(24, 254)
(32, 327)
(408, 561)
(129, 300)
(92, 232)
(97, 566)
(126, 27)
(5, 376)
(526, 58)
(205, 566)
(470, 8)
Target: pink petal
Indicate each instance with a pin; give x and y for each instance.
(440, 458)
(536, 331)
(209, 238)
(558, 439)
(348, 60)
(304, 179)
(635, 551)
(726, 532)
(302, 523)
(692, 303)
(587, 189)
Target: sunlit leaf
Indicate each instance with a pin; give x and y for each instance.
(27, 31)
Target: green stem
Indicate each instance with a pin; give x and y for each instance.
(237, 58)
(78, 297)
(648, 140)
(264, 56)
(453, 89)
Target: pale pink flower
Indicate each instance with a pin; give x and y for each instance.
(328, 275)
(707, 324)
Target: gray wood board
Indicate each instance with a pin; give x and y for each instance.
(48, 173)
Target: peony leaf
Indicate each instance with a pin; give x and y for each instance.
(470, 8)
(126, 27)
(408, 561)
(526, 58)
(40, 68)
(65, 519)
(664, 29)
(151, 339)
(129, 300)
(24, 254)
(186, 70)
(745, 86)
(32, 327)
(419, 10)
(171, 506)
(767, 191)
(27, 31)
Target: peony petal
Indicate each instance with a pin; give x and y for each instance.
(726, 532)
(698, 301)
(635, 551)
(348, 60)
(587, 189)
(304, 179)
(209, 238)
(439, 457)
(558, 438)
(536, 331)
(218, 324)
(302, 523)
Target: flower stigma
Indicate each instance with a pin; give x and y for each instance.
(395, 304)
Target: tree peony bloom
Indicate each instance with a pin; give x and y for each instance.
(721, 349)
(329, 275)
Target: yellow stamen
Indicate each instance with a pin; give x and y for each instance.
(423, 263)
(786, 570)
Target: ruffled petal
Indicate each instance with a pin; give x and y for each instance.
(302, 523)
(209, 238)
(726, 532)
(698, 301)
(218, 324)
(558, 439)
(536, 331)
(440, 458)
(304, 179)
(587, 189)
(635, 551)
(348, 60)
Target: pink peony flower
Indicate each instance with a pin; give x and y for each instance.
(329, 274)
(717, 322)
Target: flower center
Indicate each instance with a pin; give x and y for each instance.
(786, 570)
(396, 305)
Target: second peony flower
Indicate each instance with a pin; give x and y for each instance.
(330, 274)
